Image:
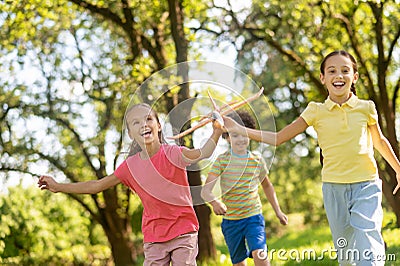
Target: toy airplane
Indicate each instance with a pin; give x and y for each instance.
(217, 113)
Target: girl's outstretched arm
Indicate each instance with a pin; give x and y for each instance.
(195, 155)
(269, 137)
(87, 187)
(382, 145)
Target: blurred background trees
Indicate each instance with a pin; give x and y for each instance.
(282, 45)
(38, 229)
(69, 68)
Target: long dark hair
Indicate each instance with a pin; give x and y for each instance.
(353, 88)
(134, 146)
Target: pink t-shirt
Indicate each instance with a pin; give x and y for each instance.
(162, 185)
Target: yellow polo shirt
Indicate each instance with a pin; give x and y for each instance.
(344, 138)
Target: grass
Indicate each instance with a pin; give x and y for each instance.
(301, 244)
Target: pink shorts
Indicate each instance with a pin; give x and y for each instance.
(182, 250)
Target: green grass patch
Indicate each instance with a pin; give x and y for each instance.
(300, 244)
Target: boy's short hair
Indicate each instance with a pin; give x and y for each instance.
(243, 118)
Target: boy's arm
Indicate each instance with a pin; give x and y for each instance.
(87, 187)
(206, 193)
(382, 145)
(269, 137)
(195, 155)
(273, 200)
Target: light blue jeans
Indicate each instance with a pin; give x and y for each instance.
(355, 216)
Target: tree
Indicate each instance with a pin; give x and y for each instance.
(282, 44)
(157, 50)
(83, 75)
(39, 229)
(72, 91)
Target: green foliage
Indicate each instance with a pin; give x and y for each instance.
(82, 68)
(281, 44)
(27, 23)
(38, 227)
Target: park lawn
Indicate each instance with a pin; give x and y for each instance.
(300, 244)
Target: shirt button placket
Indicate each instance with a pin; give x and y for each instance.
(345, 125)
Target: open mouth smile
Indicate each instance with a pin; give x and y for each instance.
(146, 133)
(338, 84)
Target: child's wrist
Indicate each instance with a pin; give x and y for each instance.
(214, 202)
(57, 187)
(218, 131)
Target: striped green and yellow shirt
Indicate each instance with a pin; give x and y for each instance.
(239, 180)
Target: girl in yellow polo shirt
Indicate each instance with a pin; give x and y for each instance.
(348, 131)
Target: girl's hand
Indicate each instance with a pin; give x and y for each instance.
(283, 219)
(231, 125)
(218, 207)
(47, 182)
(218, 122)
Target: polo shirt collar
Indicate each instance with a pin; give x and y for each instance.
(352, 102)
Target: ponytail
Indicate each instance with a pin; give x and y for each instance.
(353, 89)
(134, 148)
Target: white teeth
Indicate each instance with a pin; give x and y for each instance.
(338, 83)
(146, 132)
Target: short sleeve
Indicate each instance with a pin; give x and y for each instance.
(372, 114)
(175, 156)
(122, 173)
(310, 113)
(216, 167)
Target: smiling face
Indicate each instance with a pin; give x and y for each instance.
(338, 76)
(239, 144)
(143, 125)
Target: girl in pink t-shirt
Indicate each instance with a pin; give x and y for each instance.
(156, 172)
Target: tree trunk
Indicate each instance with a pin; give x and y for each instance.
(176, 15)
(118, 231)
(392, 200)
(123, 250)
(207, 248)
(387, 174)
(388, 186)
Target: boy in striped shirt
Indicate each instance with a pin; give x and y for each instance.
(239, 172)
